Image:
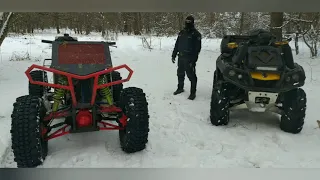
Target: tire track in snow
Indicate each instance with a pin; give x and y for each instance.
(7, 159)
(195, 125)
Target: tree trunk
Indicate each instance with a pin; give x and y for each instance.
(276, 24)
(125, 27)
(5, 24)
(147, 22)
(103, 28)
(136, 24)
(296, 43)
(298, 32)
(56, 22)
(212, 19)
(180, 20)
(242, 16)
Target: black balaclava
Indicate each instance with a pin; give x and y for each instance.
(189, 22)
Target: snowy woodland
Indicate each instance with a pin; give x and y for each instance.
(299, 26)
(181, 134)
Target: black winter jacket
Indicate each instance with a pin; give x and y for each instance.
(188, 44)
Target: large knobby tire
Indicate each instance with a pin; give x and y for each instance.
(294, 110)
(134, 137)
(219, 107)
(217, 76)
(116, 90)
(224, 45)
(29, 148)
(37, 90)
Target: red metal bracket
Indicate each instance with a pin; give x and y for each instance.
(56, 115)
(60, 132)
(109, 126)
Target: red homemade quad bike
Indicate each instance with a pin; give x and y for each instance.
(86, 92)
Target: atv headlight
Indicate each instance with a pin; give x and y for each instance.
(232, 73)
(288, 79)
(295, 77)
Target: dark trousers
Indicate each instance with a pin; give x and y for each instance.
(184, 67)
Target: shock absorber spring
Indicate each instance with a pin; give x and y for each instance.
(59, 93)
(105, 92)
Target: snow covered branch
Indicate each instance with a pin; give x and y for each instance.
(289, 20)
(300, 20)
(280, 27)
(163, 24)
(313, 38)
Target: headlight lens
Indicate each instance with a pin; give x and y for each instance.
(288, 79)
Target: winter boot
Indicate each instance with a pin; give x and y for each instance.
(192, 96)
(178, 91)
(193, 89)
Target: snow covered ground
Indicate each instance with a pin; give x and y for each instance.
(180, 132)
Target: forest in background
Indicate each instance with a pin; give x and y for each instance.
(299, 25)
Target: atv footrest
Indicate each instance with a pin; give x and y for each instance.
(84, 129)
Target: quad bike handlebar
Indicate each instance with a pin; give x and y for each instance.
(50, 42)
(46, 41)
(111, 43)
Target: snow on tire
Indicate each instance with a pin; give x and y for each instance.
(219, 107)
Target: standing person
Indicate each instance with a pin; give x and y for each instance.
(187, 47)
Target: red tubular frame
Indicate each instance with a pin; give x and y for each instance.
(63, 113)
(70, 76)
(60, 132)
(106, 126)
(58, 114)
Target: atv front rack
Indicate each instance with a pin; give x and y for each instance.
(70, 77)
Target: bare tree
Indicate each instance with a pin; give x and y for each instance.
(276, 24)
(5, 21)
(137, 24)
(312, 35)
(241, 22)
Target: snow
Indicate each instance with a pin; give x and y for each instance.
(251, 139)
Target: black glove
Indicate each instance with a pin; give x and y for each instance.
(192, 64)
